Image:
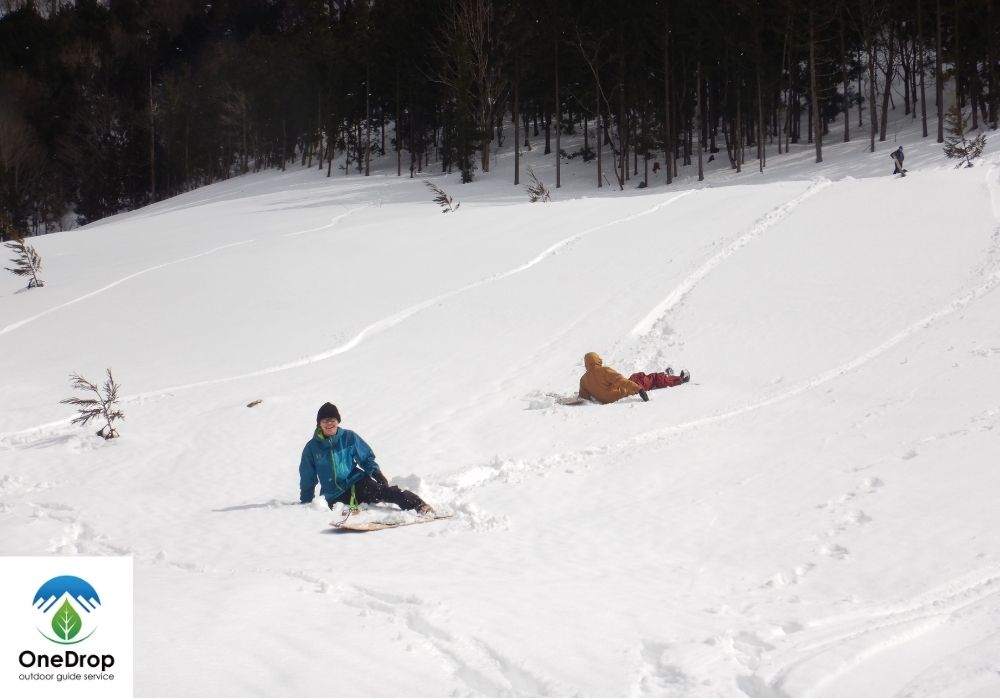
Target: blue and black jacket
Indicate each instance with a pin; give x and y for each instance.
(336, 462)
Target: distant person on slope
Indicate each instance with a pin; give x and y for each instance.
(607, 386)
(345, 467)
(897, 158)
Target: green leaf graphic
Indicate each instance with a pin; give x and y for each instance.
(66, 622)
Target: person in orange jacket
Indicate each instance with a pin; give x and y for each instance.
(607, 386)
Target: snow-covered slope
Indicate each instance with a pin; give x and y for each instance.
(814, 514)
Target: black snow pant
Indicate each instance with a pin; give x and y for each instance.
(370, 491)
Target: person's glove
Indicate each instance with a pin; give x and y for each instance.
(380, 477)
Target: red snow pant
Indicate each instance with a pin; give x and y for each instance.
(656, 380)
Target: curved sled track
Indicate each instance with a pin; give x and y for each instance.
(646, 325)
(106, 287)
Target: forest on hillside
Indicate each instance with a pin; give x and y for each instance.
(110, 105)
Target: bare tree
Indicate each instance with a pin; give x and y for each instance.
(235, 113)
(590, 49)
(537, 191)
(476, 25)
(104, 407)
(27, 262)
(442, 198)
(22, 160)
(890, 71)
(870, 19)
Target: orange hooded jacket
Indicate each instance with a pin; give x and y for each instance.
(603, 383)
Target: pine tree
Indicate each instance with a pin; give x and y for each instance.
(537, 191)
(27, 262)
(956, 145)
(443, 198)
(105, 406)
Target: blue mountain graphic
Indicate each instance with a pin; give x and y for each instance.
(78, 589)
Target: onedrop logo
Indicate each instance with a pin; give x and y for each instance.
(68, 595)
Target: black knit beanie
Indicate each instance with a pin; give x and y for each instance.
(327, 410)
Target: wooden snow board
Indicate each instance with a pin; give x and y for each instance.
(360, 525)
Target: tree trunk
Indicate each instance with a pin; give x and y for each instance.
(187, 149)
(920, 67)
(598, 141)
(778, 100)
(622, 162)
(761, 157)
(152, 141)
(558, 107)
(992, 60)
(399, 118)
(548, 134)
(667, 143)
(957, 62)
(701, 166)
(906, 74)
(788, 90)
(368, 120)
(517, 121)
(846, 79)
(246, 128)
(887, 88)
(860, 93)
(872, 109)
(412, 122)
(737, 133)
(939, 79)
(817, 112)
(486, 117)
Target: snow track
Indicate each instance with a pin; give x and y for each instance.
(154, 268)
(647, 324)
(956, 305)
(333, 222)
(825, 651)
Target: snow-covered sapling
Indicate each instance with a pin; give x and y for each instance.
(956, 145)
(443, 198)
(26, 261)
(104, 407)
(537, 192)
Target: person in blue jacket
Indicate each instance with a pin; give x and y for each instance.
(897, 159)
(344, 466)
